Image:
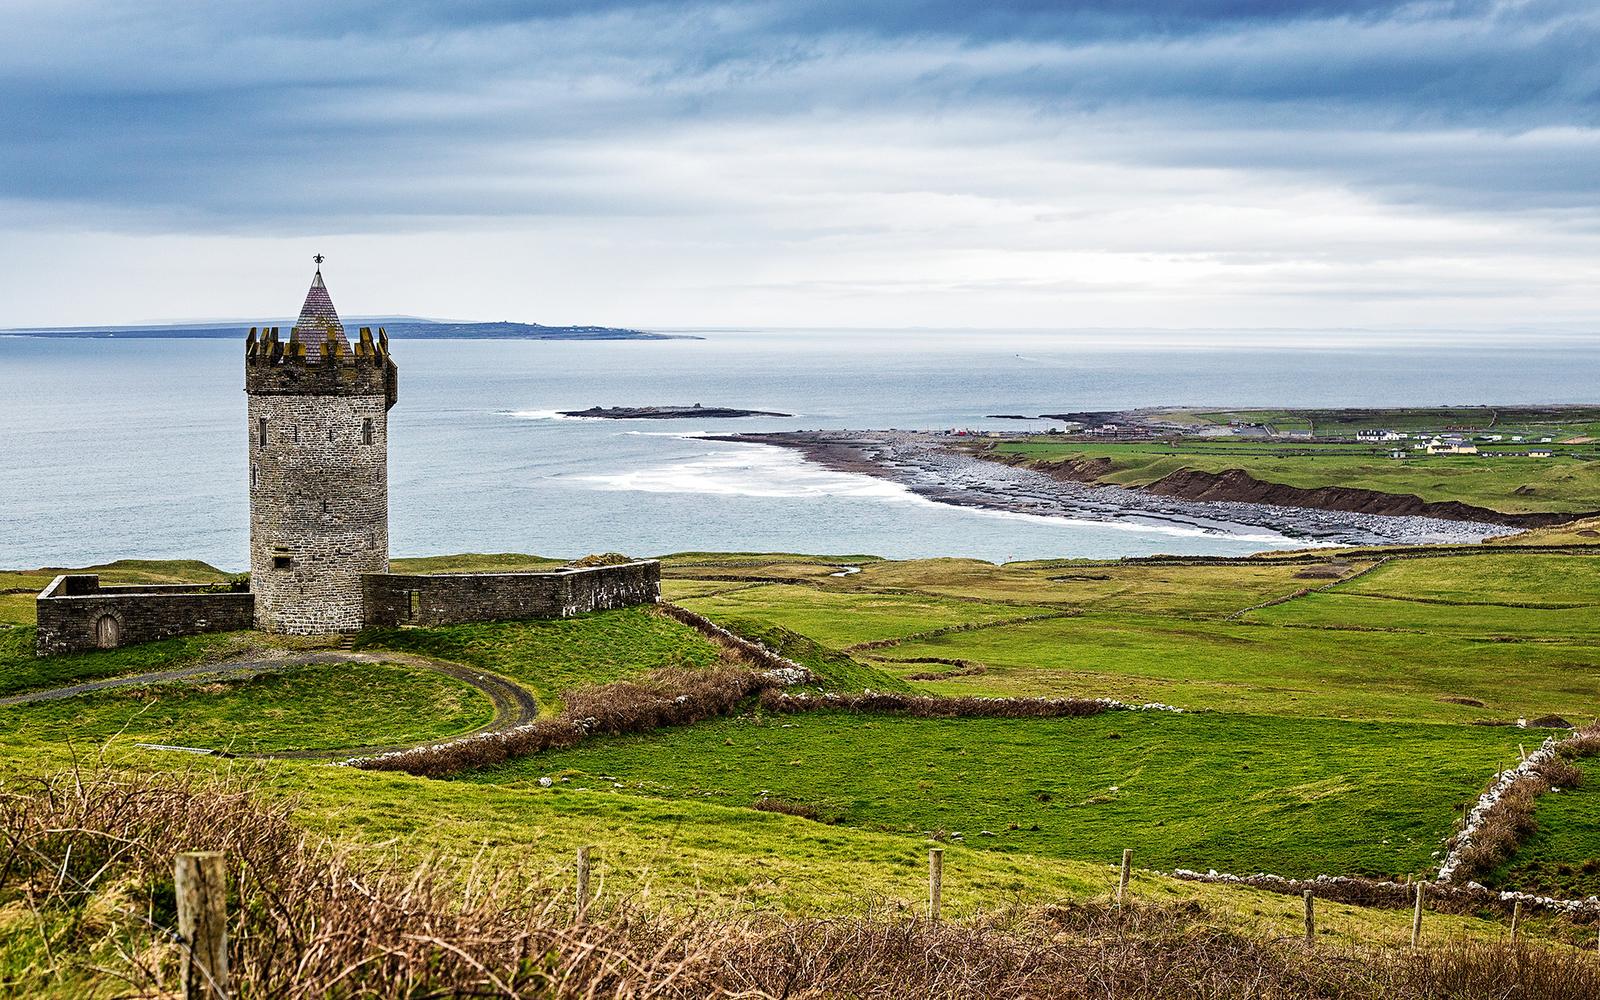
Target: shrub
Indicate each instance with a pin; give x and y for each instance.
(804, 810)
(600, 559)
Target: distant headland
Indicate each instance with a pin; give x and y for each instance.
(403, 328)
(693, 412)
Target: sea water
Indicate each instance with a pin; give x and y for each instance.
(138, 448)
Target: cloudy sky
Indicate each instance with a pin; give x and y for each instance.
(1113, 163)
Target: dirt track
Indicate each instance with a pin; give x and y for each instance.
(514, 705)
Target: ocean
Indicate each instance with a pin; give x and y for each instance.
(137, 448)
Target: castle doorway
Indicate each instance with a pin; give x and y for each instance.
(107, 633)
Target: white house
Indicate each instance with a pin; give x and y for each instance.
(1451, 446)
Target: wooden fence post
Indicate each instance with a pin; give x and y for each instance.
(200, 880)
(1516, 921)
(1127, 869)
(1311, 919)
(583, 882)
(1416, 919)
(935, 881)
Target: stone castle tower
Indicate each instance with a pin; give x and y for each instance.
(319, 468)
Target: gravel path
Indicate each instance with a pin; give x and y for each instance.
(514, 705)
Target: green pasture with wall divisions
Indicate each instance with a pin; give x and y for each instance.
(1345, 724)
(1491, 637)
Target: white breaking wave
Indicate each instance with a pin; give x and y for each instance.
(545, 415)
(750, 472)
(665, 434)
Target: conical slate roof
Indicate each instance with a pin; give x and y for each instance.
(317, 317)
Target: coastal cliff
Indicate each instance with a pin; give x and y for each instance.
(1239, 486)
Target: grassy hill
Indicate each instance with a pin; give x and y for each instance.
(1340, 710)
(1568, 482)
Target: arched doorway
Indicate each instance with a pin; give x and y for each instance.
(107, 633)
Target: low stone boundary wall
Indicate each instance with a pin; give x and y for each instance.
(393, 599)
(1442, 896)
(76, 613)
(755, 652)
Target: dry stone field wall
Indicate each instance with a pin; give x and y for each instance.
(393, 599)
(77, 614)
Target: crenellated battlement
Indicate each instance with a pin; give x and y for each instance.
(273, 366)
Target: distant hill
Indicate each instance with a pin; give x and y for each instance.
(401, 329)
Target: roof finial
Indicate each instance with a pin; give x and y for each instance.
(319, 259)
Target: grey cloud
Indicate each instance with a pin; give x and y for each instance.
(274, 114)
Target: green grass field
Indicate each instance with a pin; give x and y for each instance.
(549, 657)
(1341, 736)
(1238, 793)
(1163, 633)
(20, 670)
(853, 616)
(1326, 672)
(306, 708)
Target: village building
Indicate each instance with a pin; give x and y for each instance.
(1451, 446)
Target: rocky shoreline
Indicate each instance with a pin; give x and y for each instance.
(930, 467)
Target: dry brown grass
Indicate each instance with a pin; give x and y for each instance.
(307, 921)
(1511, 819)
(1583, 743)
(788, 807)
(600, 559)
(958, 668)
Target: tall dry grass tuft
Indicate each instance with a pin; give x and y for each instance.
(1584, 742)
(308, 921)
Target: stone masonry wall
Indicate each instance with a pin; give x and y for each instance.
(456, 598)
(319, 508)
(73, 609)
